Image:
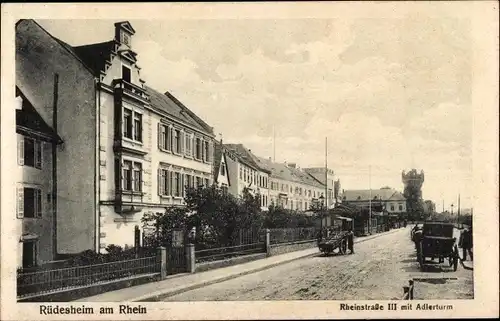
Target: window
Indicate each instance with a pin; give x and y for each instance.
(199, 181)
(207, 152)
(126, 40)
(164, 137)
(126, 74)
(400, 207)
(138, 127)
(306, 208)
(29, 254)
(132, 176)
(30, 152)
(137, 177)
(241, 173)
(132, 125)
(178, 186)
(198, 149)
(223, 169)
(207, 184)
(29, 202)
(392, 207)
(177, 141)
(164, 182)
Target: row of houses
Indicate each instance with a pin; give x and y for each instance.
(98, 149)
(279, 184)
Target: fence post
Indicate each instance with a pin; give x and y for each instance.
(411, 289)
(406, 294)
(137, 240)
(268, 242)
(162, 257)
(190, 258)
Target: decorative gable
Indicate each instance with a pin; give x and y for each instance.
(124, 32)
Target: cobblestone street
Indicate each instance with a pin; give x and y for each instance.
(379, 269)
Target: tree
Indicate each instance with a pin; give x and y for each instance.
(413, 193)
(216, 216)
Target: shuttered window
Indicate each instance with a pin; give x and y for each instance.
(29, 202)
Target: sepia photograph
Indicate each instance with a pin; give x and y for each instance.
(225, 159)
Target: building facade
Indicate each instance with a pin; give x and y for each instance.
(385, 199)
(319, 174)
(291, 187)
(244, 172)
(35, 182)
(131, 149)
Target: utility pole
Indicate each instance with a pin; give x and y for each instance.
(326, 172)
(274, 144)
(458, 211)
(370, 200)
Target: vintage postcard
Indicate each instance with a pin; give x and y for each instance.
(285, 160)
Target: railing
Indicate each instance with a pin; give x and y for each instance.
(408, 291)
(289, 235)
(45, 281)
(221, 253)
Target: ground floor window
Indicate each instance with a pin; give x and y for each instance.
(29, 202)
(29, 254)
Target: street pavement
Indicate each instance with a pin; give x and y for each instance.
(379, 269)
(179, 283)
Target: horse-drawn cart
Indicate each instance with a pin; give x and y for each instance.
(437, 242)
(335, 236)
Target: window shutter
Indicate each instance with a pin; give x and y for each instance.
(168, 130)
(171, 138)
(210, 151)
(20, 202)
(193, 152)
(170, 183)
(160, 145)
(181, 141)
(20, 150)
(160, 184)
(38, 154)
(122, 176)
(203, 150)
(38, 200)
(183, 188)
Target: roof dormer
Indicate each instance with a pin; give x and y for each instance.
(123, 33)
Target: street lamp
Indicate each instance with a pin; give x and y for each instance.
(452, 209)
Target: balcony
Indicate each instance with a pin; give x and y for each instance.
(131, 90)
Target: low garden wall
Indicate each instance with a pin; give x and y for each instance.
(205, 266)
(277, 249)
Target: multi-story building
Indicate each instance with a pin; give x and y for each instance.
(384, 199)
(319, 174)
(291, 187)
(35, 178)
(128, 149)
(237, 170)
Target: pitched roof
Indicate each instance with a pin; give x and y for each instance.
(172, 106)
(30, 122)
(364, 195)
(94, 55)
(245, 156)
(283, 172)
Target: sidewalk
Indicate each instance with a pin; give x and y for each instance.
(179, 283)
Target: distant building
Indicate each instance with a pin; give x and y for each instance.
(319, 174)
(384, 199)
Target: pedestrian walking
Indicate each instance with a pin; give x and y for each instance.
(466, 243)
(350, 241)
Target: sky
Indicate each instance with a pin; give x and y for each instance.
(389, 94)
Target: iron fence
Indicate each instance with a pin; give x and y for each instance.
(221, 253)
(46, 281)
(288, 235)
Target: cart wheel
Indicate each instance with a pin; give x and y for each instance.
(455, 258)
(421, 257)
